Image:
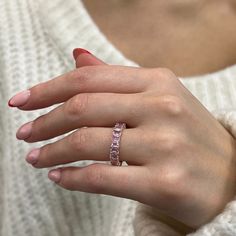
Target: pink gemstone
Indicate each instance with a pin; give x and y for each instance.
(113, 158)
(116, 134)
(116, 140)
(117, 129)
(115, 145)
(114, 150)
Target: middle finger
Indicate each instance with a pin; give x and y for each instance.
(87, 109)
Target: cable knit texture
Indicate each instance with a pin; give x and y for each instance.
(36, 43)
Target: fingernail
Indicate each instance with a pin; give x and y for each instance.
(19, 99)
(32, 156)
(24, 131)
(55, 175)
(78, 51)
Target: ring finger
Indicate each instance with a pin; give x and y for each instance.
(87, 109)
(88, 144)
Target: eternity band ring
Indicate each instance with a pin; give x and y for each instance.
(115, 145)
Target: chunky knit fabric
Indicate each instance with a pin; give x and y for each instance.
(36, 43)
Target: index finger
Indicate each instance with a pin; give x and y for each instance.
(99, 78)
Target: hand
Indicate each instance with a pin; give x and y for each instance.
(180, 159)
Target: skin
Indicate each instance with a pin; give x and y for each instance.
(201, 36)
(172, 152)
(164, 148)
(189, 37)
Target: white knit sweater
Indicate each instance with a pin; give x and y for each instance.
(36, 43)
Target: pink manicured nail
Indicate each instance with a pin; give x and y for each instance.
(55, 175)
(19, 99)
(32, 156)
(24, 131)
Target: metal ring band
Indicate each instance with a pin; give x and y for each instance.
(115, 145)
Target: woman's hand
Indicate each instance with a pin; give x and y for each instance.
(180, 159)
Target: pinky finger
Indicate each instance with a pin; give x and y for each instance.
(121, 181)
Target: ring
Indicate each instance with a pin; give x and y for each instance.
(114, 149)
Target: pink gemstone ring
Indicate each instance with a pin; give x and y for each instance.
(114, 149)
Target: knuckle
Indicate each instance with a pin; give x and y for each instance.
(164, 78)
(171, 105)
(172, 181)
(76, 105)
(95, 178)
(169, 142)
(78, 140)
(164, 73)
(166, 142)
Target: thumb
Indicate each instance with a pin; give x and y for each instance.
(85, 58)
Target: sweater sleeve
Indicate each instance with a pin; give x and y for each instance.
(145, 222)
(1, 151)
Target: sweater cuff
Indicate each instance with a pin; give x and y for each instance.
(145, 223)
